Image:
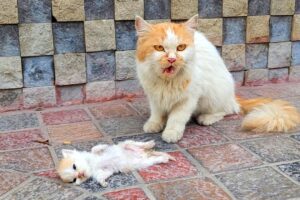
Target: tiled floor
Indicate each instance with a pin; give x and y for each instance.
(216, 162)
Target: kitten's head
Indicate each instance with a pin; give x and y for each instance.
(73, 168)
(166, 47)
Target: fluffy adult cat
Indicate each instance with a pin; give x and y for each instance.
(183, 74)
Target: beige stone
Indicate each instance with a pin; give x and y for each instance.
(296, 28)
(282, 7)
(157, 21)
(36, 39)
(128, 9)
(235, 8)
(279, 54)
(8, 12)
(39, 96)
(68, 10)
(294, 74)
(213, 29)
(183, 9)
(125, 65)
(257, 29)
(255, 77)
(69, 68)
(101, 90)
(10, 72)
(99, 35)
(234, 56)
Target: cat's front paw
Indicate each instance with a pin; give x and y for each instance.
(171, 136)
(104, 183)
(153, 126)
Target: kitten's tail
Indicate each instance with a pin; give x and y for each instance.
(268, 115)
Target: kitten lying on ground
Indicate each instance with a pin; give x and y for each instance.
(104, 160)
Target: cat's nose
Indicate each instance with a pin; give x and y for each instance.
(171, 60)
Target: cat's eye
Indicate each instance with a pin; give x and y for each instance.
(74, 166)
(159, 48)
(181, 47)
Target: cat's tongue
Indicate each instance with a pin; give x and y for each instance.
(169, 70)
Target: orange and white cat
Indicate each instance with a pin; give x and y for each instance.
(182, 75)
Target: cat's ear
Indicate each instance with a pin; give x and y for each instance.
(141, 26)
(67, 153)
(192, 22)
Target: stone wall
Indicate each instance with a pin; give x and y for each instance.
(61, 52)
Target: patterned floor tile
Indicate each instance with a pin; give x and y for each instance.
(275, 149)
(129, 194)
(296, 137)
(18, 121)
(141, 105)
(92, 198)
(193, 189)
(292, 170)
(218, 158)
(260, 184)
(173, 169)
(10, 180)
(73, 132)
(48, 174)
(278, 90)
(195, 136)
(65, 116)
(43, 189)
(27, 160)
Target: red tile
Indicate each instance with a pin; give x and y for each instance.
(173, 169)
(129, 194)
(10, 180)
(65, 116)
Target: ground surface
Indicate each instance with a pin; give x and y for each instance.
(217, 162)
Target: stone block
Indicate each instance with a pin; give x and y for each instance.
(39, 97)
(99, 9)
(210, 8)
(259, 7)
(128, 88)
(100, 91)
(69, 68)
(296, 54)
(256, 56)
(297, 7)
(10, 100)
(9, 12)
(278, 75)
(282, 7)
(71, 10)
(157, 21)
(9, 40)
(294, 74)
(125, 35)
(157, 9)
(38, 71)
(255, 77)
(99, 35)
(279, 54)
(70, 95)
(257, 29)
(296, 28)
(10, 73)
(234, 56)
(234, 30)
(128, 9)
(212, 29)
(34, 11)
(100, 66)
(183, 9)
(36, 39)
(280, 28)
(238, 78)
(235, 8)
(68, 37)
(125, 65)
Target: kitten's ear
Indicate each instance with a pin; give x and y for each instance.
(141, 26)
(192, 22)
(67, 152)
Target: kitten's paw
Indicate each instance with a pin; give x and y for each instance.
(104, 183)
(171, 136)
(153, 127)
(209, 119)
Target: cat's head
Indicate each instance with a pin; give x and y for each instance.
(165, 48)
(73, 168)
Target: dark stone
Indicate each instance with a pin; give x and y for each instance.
(157, 9)
(18, 121)
(125, 35)
(259, 7)
(280, 28)
(234, 30)
(9, 40)
(256, 56)
(292, 170)
(210, 8)
(297, 7)
(296, 137)
(8, 97)
(296, 53)
(92, 198)
(99, 9)
(68, 37)
(34, 11)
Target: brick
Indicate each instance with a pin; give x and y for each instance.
(297, 7)
(256, 56)
(100, 90)
(259, 7)
(73, 132)
(235, 8)
(125, 35)
(234, 30)
(296, 28)
(64, 117)
(68, 37)
(128, 88)
(125, 65)
(291, 169)
(34, 11)
(212, 29)
(38, 71)
(278, 75)
(157, 9)
(210, 8)
(295, 54)
(156, 21)
(9, 39)
(9, 12)
(39, 97)
(18, 121)
(99, 35)
(69, 95)
(10, 100)
(282, 7)
(257, 29)
(234, 56)
(238, 78)
(279, 54)
(71, 10)
(128, 9)
(294, 74)
(10, 73)
(255, 77)
(36, 39)
(70, 68)
(98, 9)
(10, 180)
(183, 9)
(134, 193)
(280, 28)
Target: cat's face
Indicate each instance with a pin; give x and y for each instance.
(73, 168)
(167, 47)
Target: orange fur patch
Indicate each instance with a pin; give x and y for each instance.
(64, 164)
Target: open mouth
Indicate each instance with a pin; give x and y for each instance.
(170, 70)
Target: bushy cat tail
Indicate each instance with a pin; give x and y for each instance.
(268, 115)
